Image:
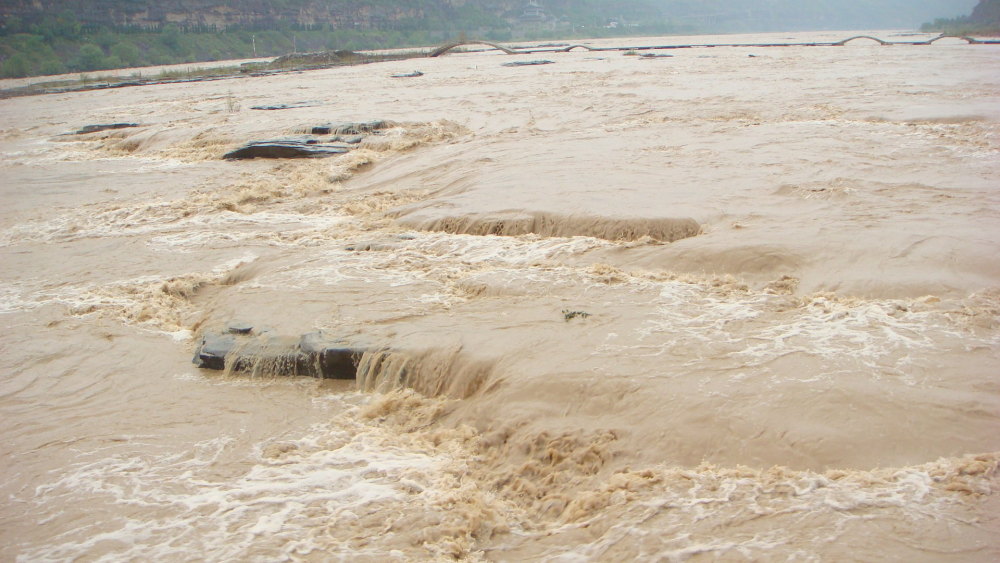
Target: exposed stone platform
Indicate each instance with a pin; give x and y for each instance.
(242, 349)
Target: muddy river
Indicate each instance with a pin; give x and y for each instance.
(739, 303)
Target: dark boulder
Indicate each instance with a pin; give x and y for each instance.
(213, 349)
(286, 149)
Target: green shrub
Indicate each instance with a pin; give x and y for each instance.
(51, 66)
(89, 57)
(16, 66)
(127, 53)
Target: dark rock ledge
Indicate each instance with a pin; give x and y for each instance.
(351, 128)
(322, 141)
(241, 349)
(285, 148)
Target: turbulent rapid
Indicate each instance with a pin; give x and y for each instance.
(707, 306)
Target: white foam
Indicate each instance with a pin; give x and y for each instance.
(873, 336)
(121, 296)
(182, 335)
(174, 230)
(795, 515)
(12, 299)
(868, 332)
(422, 257)
(190, 505)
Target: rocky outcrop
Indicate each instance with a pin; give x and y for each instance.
(285, 149)
(351, 128)
(326, 140)
(241, 349)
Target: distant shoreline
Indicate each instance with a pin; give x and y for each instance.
(300, 62)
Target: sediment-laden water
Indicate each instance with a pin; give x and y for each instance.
(711, 306)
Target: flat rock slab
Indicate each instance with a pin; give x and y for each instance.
(286, 149)
(104, 127)
(313, 354)
(529, 63)
(311, 145)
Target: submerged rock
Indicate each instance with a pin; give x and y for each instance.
(313, 355)
(349, 139)
(369, 246)
(310, 148)
(333, 359)
(351, 128)
(238, 327)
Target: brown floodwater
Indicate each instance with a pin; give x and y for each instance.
(711, 306)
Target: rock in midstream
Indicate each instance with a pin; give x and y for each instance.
(286, 149)
(313, 354)
(351, 128)
(311, 146)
